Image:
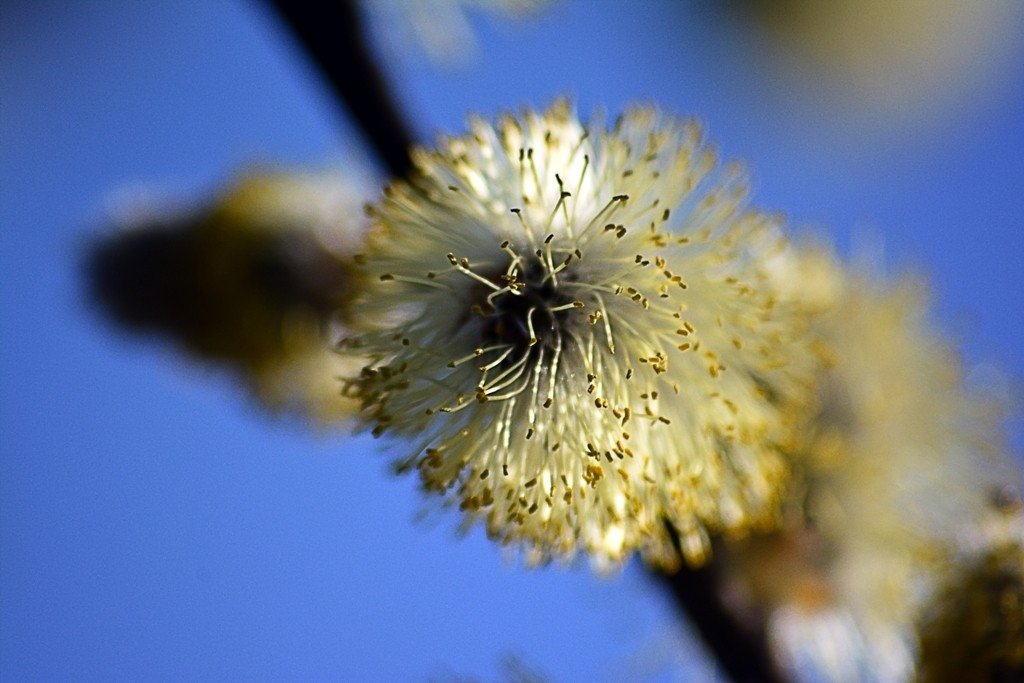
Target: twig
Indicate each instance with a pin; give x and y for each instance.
(332, 33)
(741, 649)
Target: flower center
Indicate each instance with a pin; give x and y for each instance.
(530, 314)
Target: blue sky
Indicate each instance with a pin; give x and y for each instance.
(154, 523)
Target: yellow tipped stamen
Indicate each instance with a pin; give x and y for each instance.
(529, 325)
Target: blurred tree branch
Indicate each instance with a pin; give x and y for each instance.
(740, 648)
(332, 34)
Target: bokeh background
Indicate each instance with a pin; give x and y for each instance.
(155, 523)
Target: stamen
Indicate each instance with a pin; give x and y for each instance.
(607, 325)
(536, 176)
(463, 268)
(418, 281)
(529, 325)
(566, 307)
(609, 208)
(549, 262)
(497, 361)
(525, 225)
(476, 354)
(553, 371)
(579, 183)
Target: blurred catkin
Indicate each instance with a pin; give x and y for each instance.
(255, 281)
(900, 462)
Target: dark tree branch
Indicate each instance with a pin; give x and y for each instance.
(741, 649)
(332, 33)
